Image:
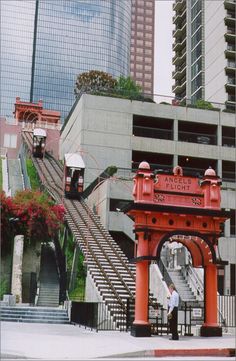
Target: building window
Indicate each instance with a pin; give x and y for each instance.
(156, 161)
(196, 38)
(196, 83)
(197, 133)
(232, 279)
(140, 42)
(232, 223)
(149, 12)
(220, 279)
(196, 8)
(197, 52)
(196, 67)
(140, 26)
(228, 171)
(151, 127)
(196, 166)
(228, 137)
(10, 140)
(197, 95)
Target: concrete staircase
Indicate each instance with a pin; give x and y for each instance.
(109, 270)
(111, 275)
(182, 286)
(48, 279)
(34, 314)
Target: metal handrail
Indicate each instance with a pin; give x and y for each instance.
(197, 282)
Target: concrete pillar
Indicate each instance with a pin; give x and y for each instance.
(16, 282)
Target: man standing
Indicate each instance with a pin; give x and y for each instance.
(173, 312)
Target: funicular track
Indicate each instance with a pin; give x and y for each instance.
(107, 266)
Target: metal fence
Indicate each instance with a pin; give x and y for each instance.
(29, 286)
(97, 316)
(227, 308)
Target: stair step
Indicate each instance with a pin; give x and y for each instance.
(30, 320)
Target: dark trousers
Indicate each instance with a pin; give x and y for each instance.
(174, 324)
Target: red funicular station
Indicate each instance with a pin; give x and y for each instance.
(188, 209)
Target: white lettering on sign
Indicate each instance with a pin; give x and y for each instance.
(197, 312)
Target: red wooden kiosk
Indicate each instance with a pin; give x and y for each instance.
(188, 209)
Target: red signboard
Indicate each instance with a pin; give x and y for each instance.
(173, 183)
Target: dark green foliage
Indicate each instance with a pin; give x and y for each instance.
(203, 104)
(4, 286)
(103, 84)
(77, 293)
(33, 176)
(111, 170)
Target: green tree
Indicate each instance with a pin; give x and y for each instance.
(126, 86)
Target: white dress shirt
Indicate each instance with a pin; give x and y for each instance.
(174, 301)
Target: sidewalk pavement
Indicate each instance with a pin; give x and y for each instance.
(69, 342)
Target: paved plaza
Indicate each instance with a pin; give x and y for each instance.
(68, 342)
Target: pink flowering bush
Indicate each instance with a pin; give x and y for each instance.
(31, 213)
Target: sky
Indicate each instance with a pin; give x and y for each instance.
(163, 50)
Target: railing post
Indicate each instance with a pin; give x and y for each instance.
(33, 288)
(185, 318)
(190, 320)
(127, 313)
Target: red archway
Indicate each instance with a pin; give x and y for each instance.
(184, 207)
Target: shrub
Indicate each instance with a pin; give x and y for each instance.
(3, 287)
(36, 215)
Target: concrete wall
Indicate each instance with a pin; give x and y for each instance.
(91, 292)
(101, 129)
(12, 129)
(15, 128)
(157, 286)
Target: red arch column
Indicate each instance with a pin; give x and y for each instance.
(210, 326)
(141, 326)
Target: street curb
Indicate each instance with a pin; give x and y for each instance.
(224, 352)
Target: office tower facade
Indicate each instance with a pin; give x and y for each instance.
(47, 43)
(142, 44)
(204, 47)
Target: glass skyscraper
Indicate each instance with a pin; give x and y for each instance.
(47, 43)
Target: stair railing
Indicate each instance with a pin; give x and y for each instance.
(33, 288)
(194, 281)
(61, 265)
(166, 277)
